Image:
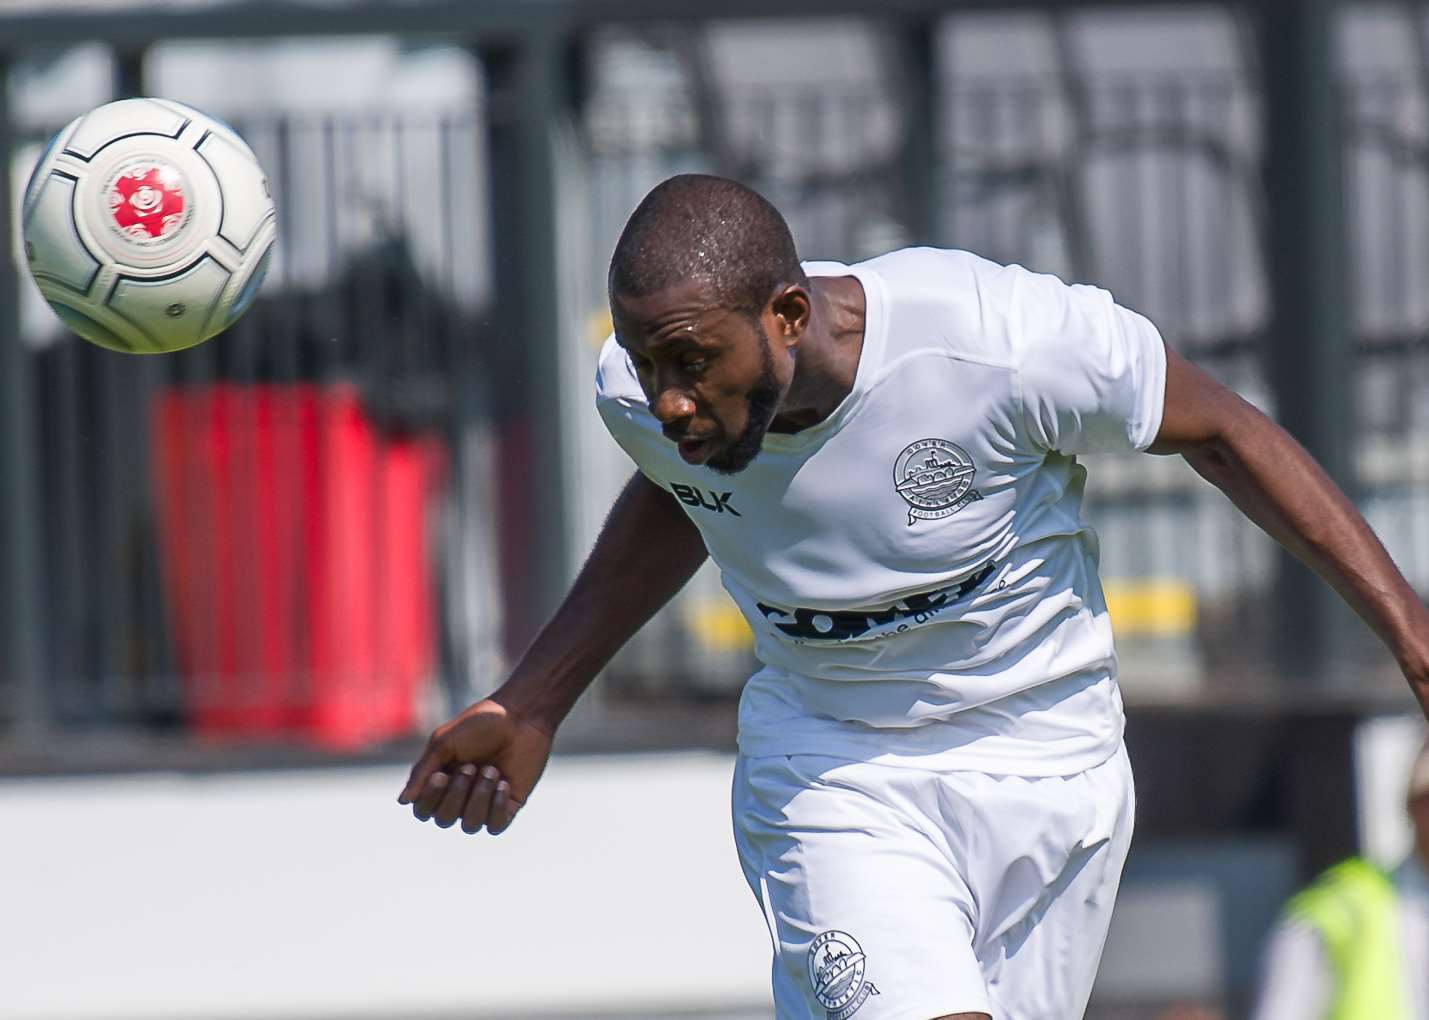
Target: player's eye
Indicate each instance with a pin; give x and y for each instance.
(694, 365)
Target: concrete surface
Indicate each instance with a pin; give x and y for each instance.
(313, 894)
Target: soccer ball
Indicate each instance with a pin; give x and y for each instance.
(148, 226)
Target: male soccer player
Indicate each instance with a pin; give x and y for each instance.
(932, 803)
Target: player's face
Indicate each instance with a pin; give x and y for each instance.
(712, 377)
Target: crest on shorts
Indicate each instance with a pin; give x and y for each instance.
(935, 479)
(837, 971)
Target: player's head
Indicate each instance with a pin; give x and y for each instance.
(708, 296)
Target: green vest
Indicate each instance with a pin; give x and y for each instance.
(1353, 908)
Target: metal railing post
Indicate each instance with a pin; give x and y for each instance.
(129, 77)
(920, 99)
(22, 656)
(1310, 358)
(526, 96)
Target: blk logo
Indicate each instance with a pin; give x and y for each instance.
(715, 502)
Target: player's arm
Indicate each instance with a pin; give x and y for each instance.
(481, 766)
(1278, 485)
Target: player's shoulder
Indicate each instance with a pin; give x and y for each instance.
(929, 264)
(615, 377)
(943, 269)
(952, 275)
(958, 298)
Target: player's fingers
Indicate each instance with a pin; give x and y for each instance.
(431, 795)
(427, 764)
(478, 803)
(454, 800)
(504, 806)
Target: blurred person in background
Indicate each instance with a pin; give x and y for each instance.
(1354, 945)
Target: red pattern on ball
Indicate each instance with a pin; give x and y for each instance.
(148, 201)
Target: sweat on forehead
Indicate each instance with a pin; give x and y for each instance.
(717, 231)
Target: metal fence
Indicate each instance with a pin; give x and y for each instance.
(189, 503)
(1149, 185)
(1388, 171)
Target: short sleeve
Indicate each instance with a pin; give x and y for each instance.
(623, 409)
(1092, 374)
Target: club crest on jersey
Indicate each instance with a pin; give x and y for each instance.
(935, 479)
(837, 971)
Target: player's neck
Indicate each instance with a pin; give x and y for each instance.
(827, 361)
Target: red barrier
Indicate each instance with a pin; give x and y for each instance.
(296, 553)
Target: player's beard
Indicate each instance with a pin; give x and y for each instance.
(760, 407)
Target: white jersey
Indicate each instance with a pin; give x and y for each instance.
(920, 581)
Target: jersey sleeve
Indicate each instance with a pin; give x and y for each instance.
(1092, 374)
(615, 380)
(622, 406)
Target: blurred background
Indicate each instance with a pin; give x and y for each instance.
(240, 583)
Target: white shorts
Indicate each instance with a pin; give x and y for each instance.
(896, 893)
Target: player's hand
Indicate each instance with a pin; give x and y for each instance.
(478, 768)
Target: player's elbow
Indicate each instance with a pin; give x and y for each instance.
(1214, 460)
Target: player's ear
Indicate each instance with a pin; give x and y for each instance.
(791, 307)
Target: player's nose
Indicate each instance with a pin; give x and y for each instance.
(671, 406)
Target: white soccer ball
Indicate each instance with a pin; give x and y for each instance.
(148, 226)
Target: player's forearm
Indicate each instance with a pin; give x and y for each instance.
(646, 552)
(1278, 485)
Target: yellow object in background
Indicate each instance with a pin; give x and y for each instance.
(598, 326)
(1154, 607)
(717, 624)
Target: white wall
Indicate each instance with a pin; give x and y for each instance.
(315, 894)
(1385, 749)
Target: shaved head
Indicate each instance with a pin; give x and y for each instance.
(696, 227)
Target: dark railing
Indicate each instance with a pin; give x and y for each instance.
(223, 526)
(376, 309)
(1148, 185)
